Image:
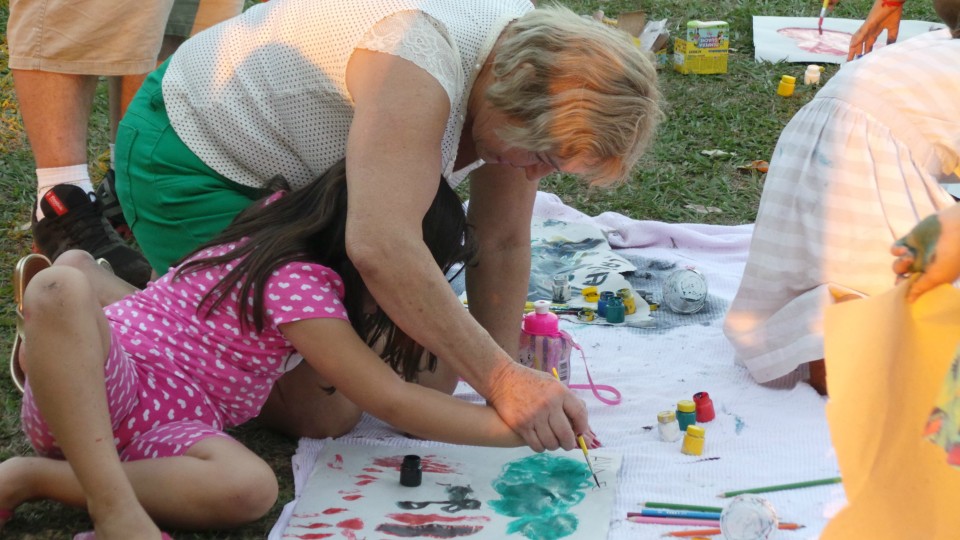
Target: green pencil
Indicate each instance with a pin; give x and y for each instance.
(782, 487)
(677, 506)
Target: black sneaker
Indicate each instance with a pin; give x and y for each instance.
(72, 220)
(110, 205)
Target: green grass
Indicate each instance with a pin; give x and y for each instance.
(738, 112)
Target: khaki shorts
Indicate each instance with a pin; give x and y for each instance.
(103, 37)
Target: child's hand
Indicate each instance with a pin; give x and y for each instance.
(931, 250)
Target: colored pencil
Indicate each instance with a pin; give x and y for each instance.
(675, 521)
(662, 512)
(714, 532)
(782, 487)
(678, 506)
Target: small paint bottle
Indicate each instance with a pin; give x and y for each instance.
(786, 86)
(615, 310)
(812, 74)
(668, 426)
(411, 472)
(561, 289)
(705, 412)
(693, 441)
(605, 297)
(629, 304)
(686, 413)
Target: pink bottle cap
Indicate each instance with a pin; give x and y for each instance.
(541, 321)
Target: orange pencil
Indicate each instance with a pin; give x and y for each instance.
(714, 532)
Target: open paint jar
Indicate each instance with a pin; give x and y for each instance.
(748, 517)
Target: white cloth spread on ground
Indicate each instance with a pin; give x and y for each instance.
(762, 435)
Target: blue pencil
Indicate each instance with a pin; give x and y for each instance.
(685, 514)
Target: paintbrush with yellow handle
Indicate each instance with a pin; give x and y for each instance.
(582, 443)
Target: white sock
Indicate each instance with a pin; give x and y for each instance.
(72, 174)
(113, 164)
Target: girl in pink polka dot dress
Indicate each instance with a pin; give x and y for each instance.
(127, 405)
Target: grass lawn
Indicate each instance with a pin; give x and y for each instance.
(738, 112)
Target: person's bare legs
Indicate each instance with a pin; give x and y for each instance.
(299, 406)
(66, 338)
(217, 483)
(107, 287)
(55, 109)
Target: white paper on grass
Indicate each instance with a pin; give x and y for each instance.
(354, 492)
(797, 39)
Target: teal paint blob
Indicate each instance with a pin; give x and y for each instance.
(539, 490)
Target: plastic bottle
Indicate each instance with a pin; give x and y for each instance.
(686, 413)
(542, 345)
(411, 472)
(705, 412)
(668, 427)
(786, 86)
(693, 441)
(812, 74)
(561, 289)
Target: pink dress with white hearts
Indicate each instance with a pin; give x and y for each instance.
(175, 377)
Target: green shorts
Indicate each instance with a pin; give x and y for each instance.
(172, 201)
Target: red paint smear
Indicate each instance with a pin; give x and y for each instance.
(312, 536)
(312, 526)
(337, 462)
(352, 497)
(334, 510)
(367, 476)
(365, 482)
(831, 42)
(420, 519)
(427, 464)
(355, 524)
(372, 469)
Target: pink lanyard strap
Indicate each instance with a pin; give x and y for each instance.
(595, 388)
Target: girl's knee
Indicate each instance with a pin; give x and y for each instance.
(251, 492)
(76, 258)
(58, 290)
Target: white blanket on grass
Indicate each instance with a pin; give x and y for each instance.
(763, 435)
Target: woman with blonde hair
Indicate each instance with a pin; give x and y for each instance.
(405, 91)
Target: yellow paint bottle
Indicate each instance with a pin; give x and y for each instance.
(693, 441)
(786, 86)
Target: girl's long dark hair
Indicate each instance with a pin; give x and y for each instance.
(309, 225)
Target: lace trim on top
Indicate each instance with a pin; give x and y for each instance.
(418, 38)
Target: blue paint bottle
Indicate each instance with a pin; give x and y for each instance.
(605, 297)
(615, 310)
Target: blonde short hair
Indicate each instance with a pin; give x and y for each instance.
(578, 89)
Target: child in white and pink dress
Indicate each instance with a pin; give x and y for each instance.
(136, 396)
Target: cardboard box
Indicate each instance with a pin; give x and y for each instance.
(704, 50)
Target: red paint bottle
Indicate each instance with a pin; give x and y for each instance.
(705, 411)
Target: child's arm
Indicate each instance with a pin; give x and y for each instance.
(340, 357)
(932, 250)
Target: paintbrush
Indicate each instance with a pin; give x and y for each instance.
(823, 13)
(582, 443)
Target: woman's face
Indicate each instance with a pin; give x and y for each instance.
(492, 149)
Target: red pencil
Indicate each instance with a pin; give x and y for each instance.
(714, 532)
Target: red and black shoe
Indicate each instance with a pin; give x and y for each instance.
(73, 220)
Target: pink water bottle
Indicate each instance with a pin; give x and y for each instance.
(542, 345)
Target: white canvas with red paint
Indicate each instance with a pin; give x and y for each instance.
(797, 39)
(354, 492)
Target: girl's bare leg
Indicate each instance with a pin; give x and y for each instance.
(218, 483)
(106, 286)
(66, 343)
